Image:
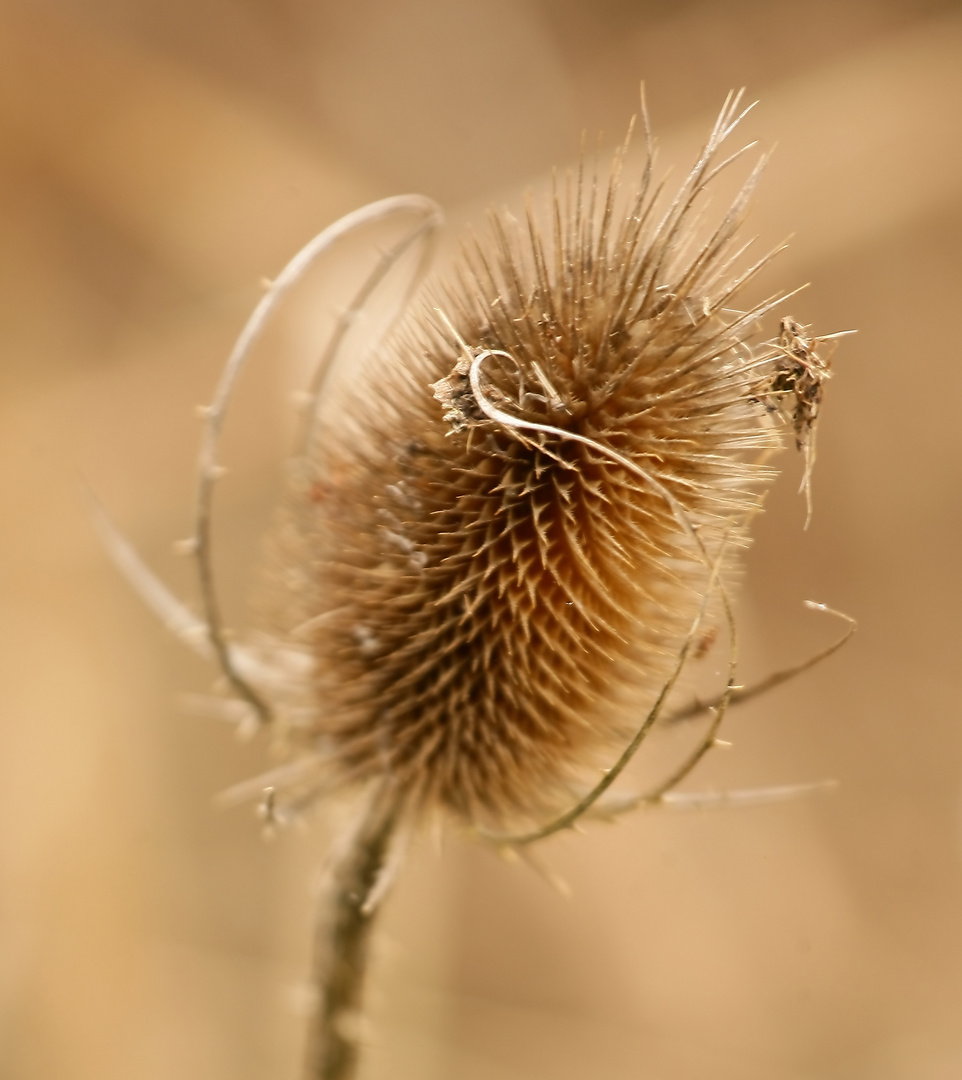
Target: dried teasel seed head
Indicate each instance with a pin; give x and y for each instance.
(502, 533)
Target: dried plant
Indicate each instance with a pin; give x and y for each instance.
(507, 531)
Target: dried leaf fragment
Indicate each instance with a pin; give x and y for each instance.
(794, 388)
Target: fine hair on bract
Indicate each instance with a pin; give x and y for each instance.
(505, 532)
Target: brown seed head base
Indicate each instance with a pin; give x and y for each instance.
(492, 592)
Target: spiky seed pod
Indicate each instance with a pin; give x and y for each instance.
(504, 533)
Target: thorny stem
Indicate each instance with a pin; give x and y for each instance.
(345, 915)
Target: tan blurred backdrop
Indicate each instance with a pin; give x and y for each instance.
(157, 159)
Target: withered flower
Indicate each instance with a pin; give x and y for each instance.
(499, 542)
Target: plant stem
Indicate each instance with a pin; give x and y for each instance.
(345, 913)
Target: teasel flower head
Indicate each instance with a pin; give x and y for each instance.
(507, 521)
(499, 538)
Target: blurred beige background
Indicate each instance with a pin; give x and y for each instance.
(157, 159)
